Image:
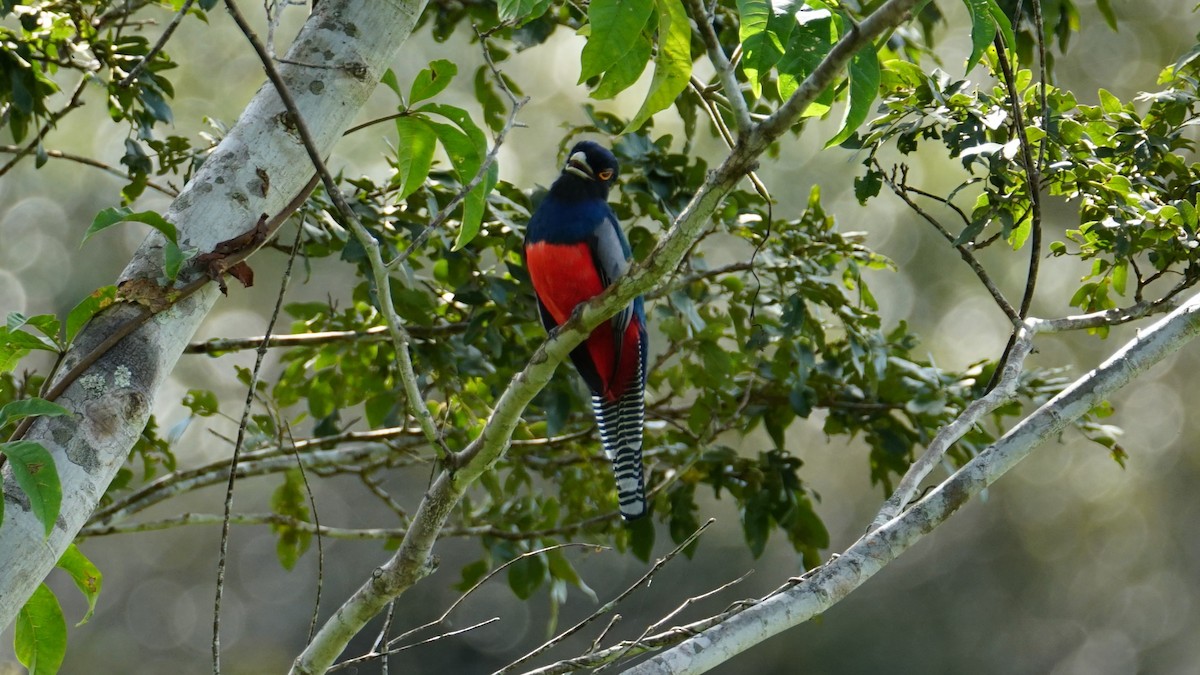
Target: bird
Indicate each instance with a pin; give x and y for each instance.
(574, 249)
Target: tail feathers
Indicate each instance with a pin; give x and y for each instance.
(621, 435)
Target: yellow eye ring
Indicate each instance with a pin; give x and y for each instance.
(606, 174)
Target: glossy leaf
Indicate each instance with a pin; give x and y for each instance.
(672, 65)
(112, 216)
(432, 80)
(85, 574)
(626, 71)
(40, 635)
(613, 28)
(414, 153)
(983, 29)
(763, 35)
(30, 407)
(35, 471)
(864, 88)
(87, 308)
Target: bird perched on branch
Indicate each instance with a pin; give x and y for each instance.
(574, 249)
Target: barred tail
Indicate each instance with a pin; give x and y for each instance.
(621, 435)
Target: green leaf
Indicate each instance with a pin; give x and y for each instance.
(29, 407)
(809, 44)
(414, 153)
(1005, 26)
(864, 87)
(47, 324)
(614, 27)
(389, 79)
(1109, 103)
(202, 402)
(291, 499)
(1120, 277)
(626, 71)
(173, 260)
(466, 146)
(34, 469)
(641, 538)
(561, 568)
(526, 574)
(12, 349)
(521, 12)
(40, 636)
(86, 576)
(111, 216)
(432, 80)
(1106, 10)
(983, 29)
(672, 65)
(763, 36)
(87, 308)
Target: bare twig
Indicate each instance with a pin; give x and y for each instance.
(610, 605)
(158, 45)
(88, 161)
(488, 577)
(901, 190)
(237, 451)
(716, 54)
(218, 346)
(369, 657)
(57, 115)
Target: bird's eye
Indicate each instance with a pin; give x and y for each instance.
(605, 174)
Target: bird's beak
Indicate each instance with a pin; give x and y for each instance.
(577, 164)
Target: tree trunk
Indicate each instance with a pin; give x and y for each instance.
(258, 168)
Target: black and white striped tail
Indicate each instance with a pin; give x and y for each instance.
(621, 435)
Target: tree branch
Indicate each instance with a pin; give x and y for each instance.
(716, 54)
(835, 579)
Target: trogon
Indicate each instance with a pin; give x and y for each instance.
(574, 249)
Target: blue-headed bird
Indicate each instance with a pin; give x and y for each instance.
(574, 249)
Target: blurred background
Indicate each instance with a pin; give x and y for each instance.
(1070, 564)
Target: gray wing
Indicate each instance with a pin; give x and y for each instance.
(611, 252)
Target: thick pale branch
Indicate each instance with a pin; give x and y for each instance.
(837, 578)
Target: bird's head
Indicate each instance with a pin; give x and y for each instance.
(591, 168)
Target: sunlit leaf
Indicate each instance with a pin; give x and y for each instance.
(40, 635)
(86, 576)
(672, 65)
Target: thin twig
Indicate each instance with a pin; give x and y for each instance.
(88, 161)
(1004, 391)
(657, 625)
(158, 46)
(900, 189)
(610, 605)
(218, 346)
(237, 451)
(312, 504)
(716, 54)
(72, 104)
(368, 657)
(488, 577)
